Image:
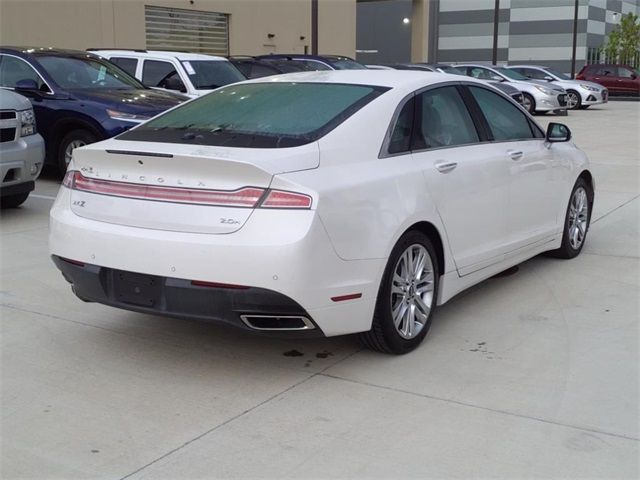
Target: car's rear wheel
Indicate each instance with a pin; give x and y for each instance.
(71, 141)
(577, 220)
(13, 201)
(529, 103)
(406, 298)
(574, 101)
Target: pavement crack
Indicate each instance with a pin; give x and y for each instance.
(617, 208)
(218, 426)
(486, 409)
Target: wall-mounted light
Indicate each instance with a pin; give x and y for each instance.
(406, 21)
(271, 35)
(302, 37)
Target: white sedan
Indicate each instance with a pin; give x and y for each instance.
(320, 203)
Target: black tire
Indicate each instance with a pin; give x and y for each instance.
(567, 250)
(531, 101)
(13, 201)
(383, 336)
(578, 99)
(584, 107)
(85, 137)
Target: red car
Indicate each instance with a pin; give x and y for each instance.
(620, 79)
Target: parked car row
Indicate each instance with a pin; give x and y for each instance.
(82, 97)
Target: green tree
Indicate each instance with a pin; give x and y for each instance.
(629, 37)
(623, 42)
(612, 48)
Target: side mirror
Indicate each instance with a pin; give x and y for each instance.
(174, 83)
(558, 132)
(27, 85)
(496, 78)
(548, 78)
(634, 76)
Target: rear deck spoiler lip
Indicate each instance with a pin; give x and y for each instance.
(143, 154)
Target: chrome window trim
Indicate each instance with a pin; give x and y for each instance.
(52, 91)
(384, 149)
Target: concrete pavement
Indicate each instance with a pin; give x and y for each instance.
(530, 375)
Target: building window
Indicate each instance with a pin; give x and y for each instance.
(186, 30)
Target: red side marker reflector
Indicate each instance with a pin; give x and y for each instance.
(200, 283)
(342, 298)
(72, 262)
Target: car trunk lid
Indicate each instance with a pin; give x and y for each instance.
(192, 189)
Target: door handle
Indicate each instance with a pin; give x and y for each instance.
(446, 167)
(515, 155)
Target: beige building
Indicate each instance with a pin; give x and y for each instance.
(235, 27)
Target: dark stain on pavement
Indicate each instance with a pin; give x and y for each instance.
(293, 353)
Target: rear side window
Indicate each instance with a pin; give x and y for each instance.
(156, 73)
(400, 140)
(506, 121)
(127, 64)
(259, 115)
(444, 120)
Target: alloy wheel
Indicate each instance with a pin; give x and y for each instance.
(578, 217)
(412, 291)
(68, 152)
(572, 100)
(527, 104)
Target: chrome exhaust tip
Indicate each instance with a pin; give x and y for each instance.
(277, 322)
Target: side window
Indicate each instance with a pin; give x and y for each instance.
(605, 72)
(158, 74)
(129, 65)
(624, 72)
(506, 121)
(533, 73)
(400, 140)
(481, 73)
(443, 120)
(13, 69)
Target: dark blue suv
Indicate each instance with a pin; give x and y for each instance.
(78, 97)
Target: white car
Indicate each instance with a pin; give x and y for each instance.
(538, 96)
(192, 74)
(580, 93)
(320, 203)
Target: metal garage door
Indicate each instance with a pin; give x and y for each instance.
(186, 30)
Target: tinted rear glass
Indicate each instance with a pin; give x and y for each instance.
(258, 115)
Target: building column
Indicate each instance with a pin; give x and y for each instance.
(419, 30)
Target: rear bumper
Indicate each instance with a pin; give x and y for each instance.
(288, 253)
(175, 297)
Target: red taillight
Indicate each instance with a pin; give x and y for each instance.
(67, 181)
(244, 197)
(282, 199)
(200, 283)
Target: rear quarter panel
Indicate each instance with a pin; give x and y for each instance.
(366, 203)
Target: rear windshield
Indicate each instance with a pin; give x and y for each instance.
(210, 74)
(258, 115)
